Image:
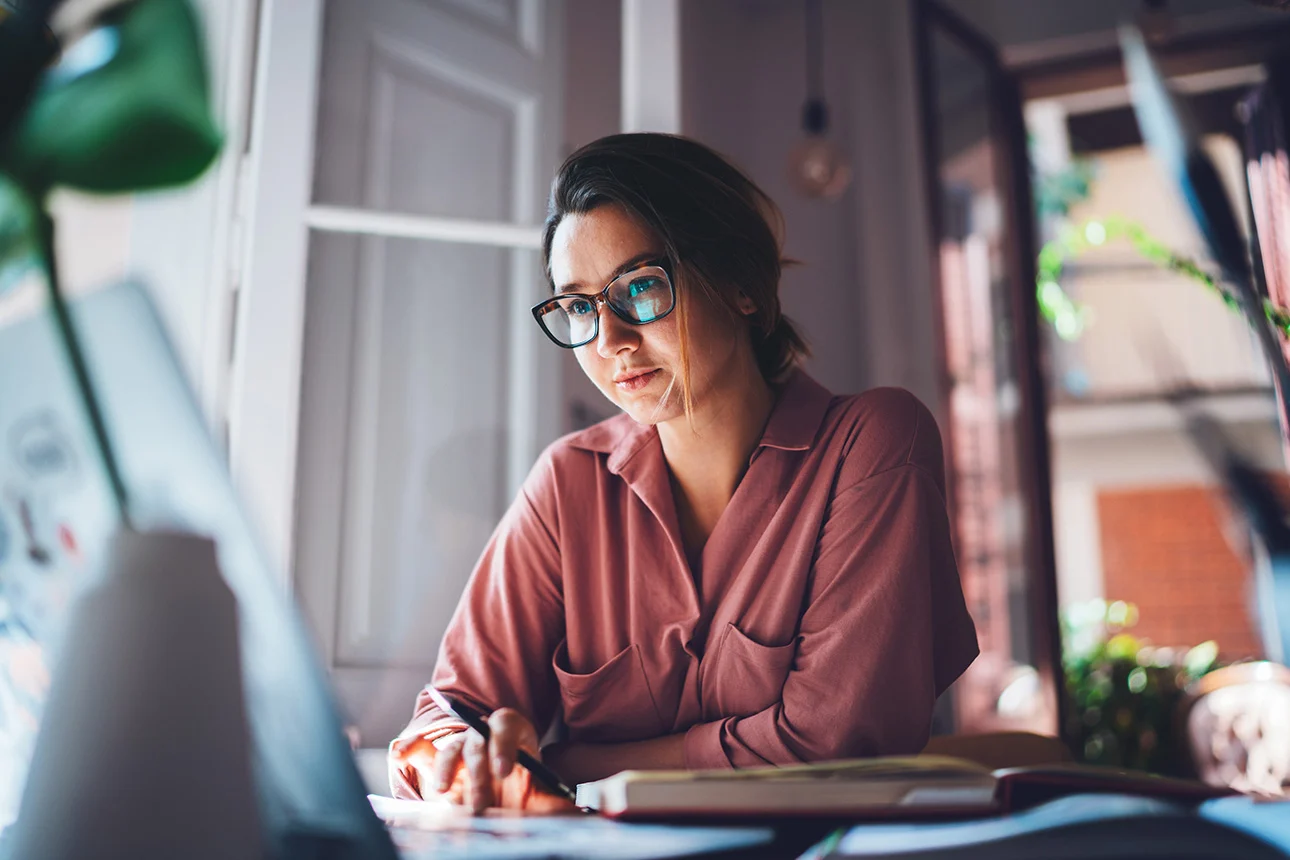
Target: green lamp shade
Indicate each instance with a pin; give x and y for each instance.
(125, 109)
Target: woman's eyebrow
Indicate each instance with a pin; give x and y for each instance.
(623, 268)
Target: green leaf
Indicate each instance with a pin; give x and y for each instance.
(125, 109)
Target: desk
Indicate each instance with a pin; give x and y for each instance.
(1084, 826)
(1104, 827)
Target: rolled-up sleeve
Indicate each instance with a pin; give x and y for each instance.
(884, 632)
(497, 649)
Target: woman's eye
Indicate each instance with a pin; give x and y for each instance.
(642, 285)
(579, 307)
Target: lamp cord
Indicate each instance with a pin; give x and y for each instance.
(80, 372)
(815, 114)
(814, 50)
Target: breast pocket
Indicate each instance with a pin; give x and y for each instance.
(612, 703)
(746, 676)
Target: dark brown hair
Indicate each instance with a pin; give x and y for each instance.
(720, 232)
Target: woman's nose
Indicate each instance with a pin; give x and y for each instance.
(615, 335)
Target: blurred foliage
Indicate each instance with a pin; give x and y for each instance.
(1070, 318)
(1122, 693)
(1055, 194)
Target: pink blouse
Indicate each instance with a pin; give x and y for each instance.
(825, 618)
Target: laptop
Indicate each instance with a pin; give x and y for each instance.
(57, 517)
(57, 521)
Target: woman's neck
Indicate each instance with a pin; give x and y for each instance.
(707, 457)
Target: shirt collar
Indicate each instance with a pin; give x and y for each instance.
(797, 414)
(620, 437)
(793, 425)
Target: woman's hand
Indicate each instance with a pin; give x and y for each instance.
(473, 772)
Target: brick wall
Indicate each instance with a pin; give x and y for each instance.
(1164, 549)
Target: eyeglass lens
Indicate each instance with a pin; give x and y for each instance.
(639, 297)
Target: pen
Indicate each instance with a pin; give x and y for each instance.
(476, 720)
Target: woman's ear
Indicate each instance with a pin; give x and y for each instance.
(745, 304)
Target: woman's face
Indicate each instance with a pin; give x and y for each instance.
(638, 367)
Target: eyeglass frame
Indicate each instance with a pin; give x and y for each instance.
(602, 298)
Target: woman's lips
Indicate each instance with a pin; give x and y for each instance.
(636, 383)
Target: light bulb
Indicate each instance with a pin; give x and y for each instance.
(818, 167)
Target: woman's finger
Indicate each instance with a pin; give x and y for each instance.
(446, 763)
(475, 755)
(404, 750)
(411, 760)
(511, 732)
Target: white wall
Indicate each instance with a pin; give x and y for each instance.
(863, 294)
(593, 71)
(92, 239)
(592, 109)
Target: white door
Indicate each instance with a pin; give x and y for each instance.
(427, 391)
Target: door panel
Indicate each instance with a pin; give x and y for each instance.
(427, 451)
(422, 113)
(504, 15)
(428, 391)
(453, 150)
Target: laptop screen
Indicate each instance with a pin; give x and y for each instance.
(53, 517)
(57, 516)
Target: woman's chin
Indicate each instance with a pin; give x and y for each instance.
(644, 406)
(647, 411)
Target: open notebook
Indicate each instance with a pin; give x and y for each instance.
(887, 787)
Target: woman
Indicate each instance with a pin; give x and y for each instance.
(742, 569)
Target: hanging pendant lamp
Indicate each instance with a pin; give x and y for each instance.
(817, 165)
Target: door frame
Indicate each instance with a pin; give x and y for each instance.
(263, 406)
(1034, 462)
